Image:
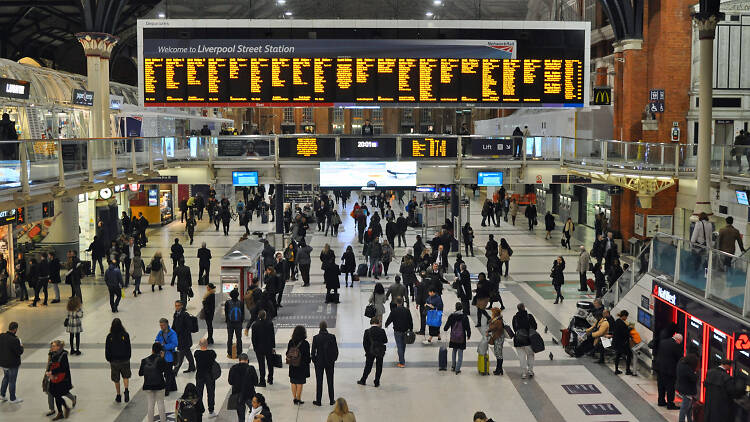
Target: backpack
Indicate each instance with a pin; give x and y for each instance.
(193, 323)
(156, 265)
(376, 348)
(294, 356)
(151, 372)
(235, 311)
(187, 411)
(457, 332)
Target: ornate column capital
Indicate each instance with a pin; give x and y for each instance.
(97, 43)
(707, 24)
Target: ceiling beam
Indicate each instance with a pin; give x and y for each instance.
(34, 3)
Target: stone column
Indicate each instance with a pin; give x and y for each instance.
(706, 32)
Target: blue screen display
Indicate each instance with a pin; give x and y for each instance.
(741, 197)
(245, 178)
(645, 318)
(490, 178)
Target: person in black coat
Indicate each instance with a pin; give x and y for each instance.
(458, 321)
(490, 249)
(177, 253)
(687, 383)
(670, 352)
(298, 374)
(523, 320)
(153, 369)
(184, 281)
(54, 274)
(98, 253)
(331, 277)
(58, 373)
(117, 352)
(621, 342)
(349, 265)
(464, 289)
(558, 278)
(721, 390)
(597, 251)
(204, 264)
(374, 342)
(281, 268)
(530, 214)
(181, 325)
(324, 354)
(208, 307)
(264, 345)
(599, 280)
(243, 379)
(549, 224)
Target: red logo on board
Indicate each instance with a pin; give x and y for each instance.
(742, 342)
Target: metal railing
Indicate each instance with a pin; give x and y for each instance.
(717, 276)
(26, 163)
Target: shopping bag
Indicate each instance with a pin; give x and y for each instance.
(434, 318)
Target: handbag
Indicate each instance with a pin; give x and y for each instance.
(202, 314)
(563, 242)
(434, 318)
(232, 401)
(536, 341)
(65, 323)
(409, 337)
(276, 360)
(370, 311)
(215, 370)
(45, 383)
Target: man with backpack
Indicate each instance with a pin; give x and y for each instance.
(324, 354)
(234, 314)
(184, 325)
(243, 379)
(113, 279)
(374, 342)
(153, 370)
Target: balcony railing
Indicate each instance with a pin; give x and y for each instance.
(717, 276)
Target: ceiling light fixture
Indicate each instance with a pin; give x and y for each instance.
(429, 14)
(288, 13)
(162, 15)
(281, 2)
(437, 2)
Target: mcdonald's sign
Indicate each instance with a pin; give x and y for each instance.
(602, 96)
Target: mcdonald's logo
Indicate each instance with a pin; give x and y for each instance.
(602, 96)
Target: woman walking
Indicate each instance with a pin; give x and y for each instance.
(496, 334)
(349, 265)
(158, 271)
(377, 299)
(46, 389)
(505, 254)
(558, 277)
(137, 268)
(331, 274)
(549, 225)
(58, 374)
(208, 306)
(298, 359)
(460, 332)
(387, 256)
(117, 352)
(468, 235)
(73, 324)
(513, 210)
(568, 230)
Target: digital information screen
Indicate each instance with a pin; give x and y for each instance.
(367, 147)
(490, 178)
(307, 147)
(234, 66)
(428, 147)
(245, 178)
(490, 146)
(380, 174)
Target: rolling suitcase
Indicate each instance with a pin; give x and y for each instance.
(483, 364)
(591, 284)
(362, 270)
(565, 337)
(443, 359)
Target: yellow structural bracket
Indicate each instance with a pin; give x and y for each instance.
(645, 186)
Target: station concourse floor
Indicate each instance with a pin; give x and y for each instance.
(417, 392)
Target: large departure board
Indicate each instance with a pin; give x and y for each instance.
(429, 147)
(307, 147)
(227, 65)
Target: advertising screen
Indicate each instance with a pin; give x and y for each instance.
(741, 197)
(368, 147)
(428, 147)
(490, 178)
(228, 63)
(378, 174)
(307, 147)
(245, 178)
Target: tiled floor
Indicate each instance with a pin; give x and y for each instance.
(417, 392)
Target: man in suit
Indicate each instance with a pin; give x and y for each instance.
(464, 289)
(324, 353)
(264, 345)
(669, 354)
(373, 341)
(204, 264)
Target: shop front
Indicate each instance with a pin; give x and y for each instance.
(709, 332)
(155, 199)
(7, 219)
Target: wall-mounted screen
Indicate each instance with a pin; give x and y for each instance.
(377, 174)
(428, 147)
(245, 178)
(741, 197)
(645, 318)
(490, 178)
(307, 147)
(367, 147)
(236, 63)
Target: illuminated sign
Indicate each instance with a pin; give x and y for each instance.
(307, 147)
(245, 178)
(359, 147)
(602, 96)
(665, 295)
(12, 88)
(153, 197)
(7, 216)
(428, 147)
(742, 342)
(83, 97)
(491, 146)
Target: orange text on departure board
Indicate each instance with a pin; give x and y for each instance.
(307, 147)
